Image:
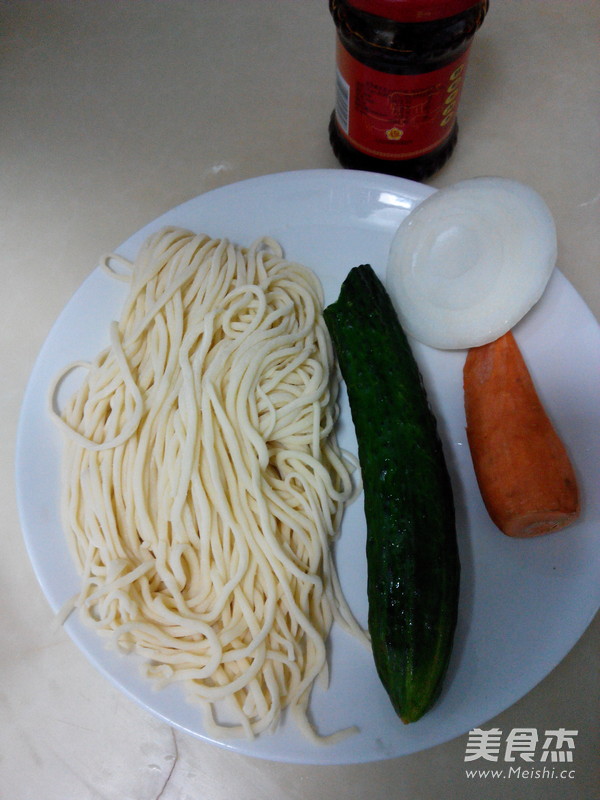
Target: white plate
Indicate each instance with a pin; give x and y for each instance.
(523, 603)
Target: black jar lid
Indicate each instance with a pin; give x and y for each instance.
(413, 10)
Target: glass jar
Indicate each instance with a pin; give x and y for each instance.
(400, 70)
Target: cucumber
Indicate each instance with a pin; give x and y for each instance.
(412, 551)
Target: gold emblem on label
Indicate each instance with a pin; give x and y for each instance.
(394, 134)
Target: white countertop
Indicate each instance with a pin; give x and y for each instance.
(114, 111)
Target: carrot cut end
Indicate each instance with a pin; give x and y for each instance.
(538, 524)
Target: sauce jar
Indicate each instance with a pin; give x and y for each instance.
(400, 70)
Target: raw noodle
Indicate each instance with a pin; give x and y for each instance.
(202, 482)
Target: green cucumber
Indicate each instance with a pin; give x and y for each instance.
(412, 551)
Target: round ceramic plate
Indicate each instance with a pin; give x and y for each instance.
(524, 603)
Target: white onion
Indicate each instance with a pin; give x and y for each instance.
(470, 261)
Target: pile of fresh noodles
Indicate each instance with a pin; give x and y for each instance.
(202, 483)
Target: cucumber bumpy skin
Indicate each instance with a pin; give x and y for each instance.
(412, 552)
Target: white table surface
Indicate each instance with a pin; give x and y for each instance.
(114, 111)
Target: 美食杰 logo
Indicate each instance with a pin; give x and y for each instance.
(524, 752)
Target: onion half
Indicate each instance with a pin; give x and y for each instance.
(470, 261)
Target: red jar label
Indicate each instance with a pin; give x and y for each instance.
(396, 116)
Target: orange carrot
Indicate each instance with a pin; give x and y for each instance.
(524, 473)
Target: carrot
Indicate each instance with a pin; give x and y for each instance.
(524, 473)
